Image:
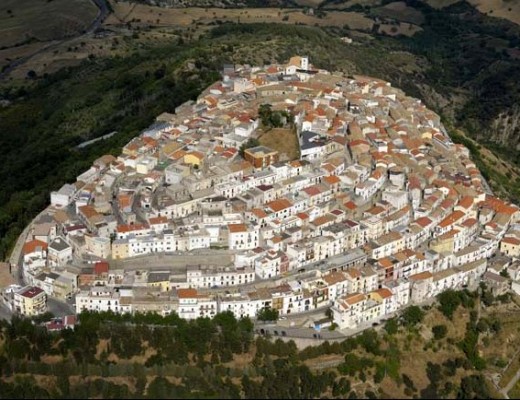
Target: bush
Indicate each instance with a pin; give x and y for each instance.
(449, 302)
(268, 314)
(412, 316)
(439, 331)
(391, 326)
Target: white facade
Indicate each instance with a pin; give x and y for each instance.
(211, 277)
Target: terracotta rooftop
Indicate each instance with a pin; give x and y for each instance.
(34, 246)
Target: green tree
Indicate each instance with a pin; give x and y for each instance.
(412, 316)
(439, 331)
(473, 387)
(267, 314)
(252, 142)
(449, 302)
(391, 326)
(264, 112)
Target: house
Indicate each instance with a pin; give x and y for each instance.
(101, 298)
(498, 284)
(386, 245)
(312, 145)
(510, 245)
(386, 298)
(30, 301)
(59, 252)
(354, 309)
(199, 276)
(58, 324)
(241, 305)
(242, 237)
(34, 248)
(421, 286)
(98, 246)
(193, 305)
(194, 158)
(271, 264)
(261, 156)
(63, 196)
(296, 63)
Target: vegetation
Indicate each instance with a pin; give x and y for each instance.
(274, 119)
(449, 300)
(412, 316)
(268, 314)
(150, 356)
(252, 142)
(439, 331)
(462, 64)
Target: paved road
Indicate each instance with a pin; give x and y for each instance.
(59, 308)
(16, 257)
(510, 385)
(504, 391)
(302, 333)
(102, 14)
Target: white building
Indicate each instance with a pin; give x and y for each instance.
(101, 298)
(242, 237)
(59, 252)
(193, 305)
(210, 277)
(63, 196)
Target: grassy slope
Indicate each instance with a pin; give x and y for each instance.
(43, 20)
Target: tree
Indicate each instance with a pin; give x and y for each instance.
(487, 297)
(449, 302)
(391, 326)
(264, 112)
(247, 145)
(412, 316)
(267, 314)
(274, 119)
(439, 331)
(473, 387)
(341, 388)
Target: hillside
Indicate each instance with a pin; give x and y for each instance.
(460, 349)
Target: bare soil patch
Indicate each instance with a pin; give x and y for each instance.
(282, 140)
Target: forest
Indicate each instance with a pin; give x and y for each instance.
(150, 356)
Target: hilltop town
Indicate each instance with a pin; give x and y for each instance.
(379, 210)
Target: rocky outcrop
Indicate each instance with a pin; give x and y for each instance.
(505, 128)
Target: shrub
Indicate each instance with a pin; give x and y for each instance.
(439, 331)
(412, 316)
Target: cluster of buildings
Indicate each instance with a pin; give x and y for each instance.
(381, 208)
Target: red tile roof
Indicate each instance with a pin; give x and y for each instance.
(31, 292)
(34, 246)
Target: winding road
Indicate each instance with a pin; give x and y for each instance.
(103, 12)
